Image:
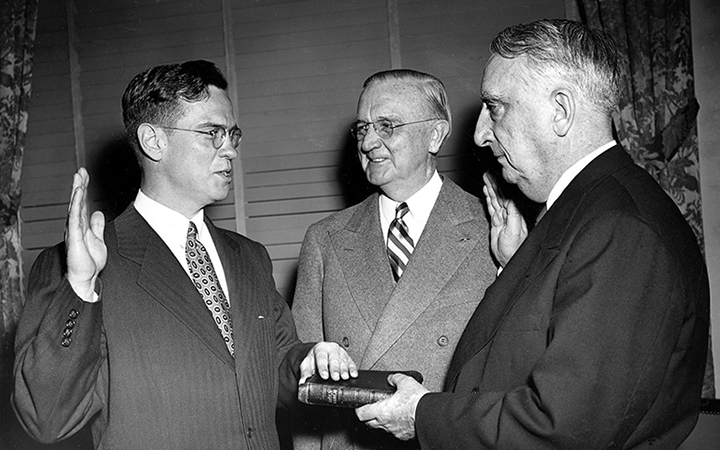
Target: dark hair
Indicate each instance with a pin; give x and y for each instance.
(570, 50)
(432, 88)
(154, 95)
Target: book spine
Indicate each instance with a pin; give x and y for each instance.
(342, 396)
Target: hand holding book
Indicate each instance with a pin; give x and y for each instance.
(370, 386)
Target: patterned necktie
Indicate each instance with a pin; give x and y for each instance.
(399, 244)
(206, 281)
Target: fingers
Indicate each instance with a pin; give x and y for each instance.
(74, 225)
(307, 367)
(329, 360)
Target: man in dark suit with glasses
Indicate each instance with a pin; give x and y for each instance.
(161, 330)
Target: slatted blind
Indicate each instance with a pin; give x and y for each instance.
(298, 67)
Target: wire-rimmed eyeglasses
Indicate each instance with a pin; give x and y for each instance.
(217, 133)
(383, 127)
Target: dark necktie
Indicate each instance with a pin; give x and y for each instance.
(399, 244)
(206, 281)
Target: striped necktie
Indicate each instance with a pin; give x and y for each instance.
(399, 244)
(206, 281)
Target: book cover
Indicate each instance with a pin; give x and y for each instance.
(370, 386)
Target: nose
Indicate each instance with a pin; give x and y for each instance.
(483, 132)
(370, 142)
(228, 151)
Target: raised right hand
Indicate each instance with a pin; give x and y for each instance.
(84, 240)
(508, 229)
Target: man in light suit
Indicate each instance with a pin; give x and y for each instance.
(346, 291)
(595, 333)
(116, 332)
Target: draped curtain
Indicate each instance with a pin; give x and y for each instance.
(17, 25)
(656, 121)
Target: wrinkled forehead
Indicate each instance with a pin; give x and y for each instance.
(390, 99)
(502, 74)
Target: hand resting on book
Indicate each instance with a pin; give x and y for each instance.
(370, 386)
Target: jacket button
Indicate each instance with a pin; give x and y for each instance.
(66, 342)
(443, 341)
(74, 314)
(67, 332)
(249, 432)
(69, 324)
(345, 342)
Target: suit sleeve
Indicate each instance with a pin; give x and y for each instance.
(619, 305)
(307, 302)
(290, 350)
(60, 350)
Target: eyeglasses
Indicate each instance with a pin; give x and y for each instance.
(218, 135)
(383, 127)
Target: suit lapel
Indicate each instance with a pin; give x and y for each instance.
(530, 260)
(452, 231)
(162, 277)
(361, 253)
(533, 256)
(242, 308)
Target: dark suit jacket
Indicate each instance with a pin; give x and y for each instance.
(593, 336)
(346, 293)
(146, 365)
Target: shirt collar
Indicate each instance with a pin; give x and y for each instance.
(573, 171)
(420, 203)
(169, 224)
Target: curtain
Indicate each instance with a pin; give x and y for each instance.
(656, 121)
(17, 25)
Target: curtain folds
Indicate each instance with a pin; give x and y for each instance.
(17, 25)
(656, 121)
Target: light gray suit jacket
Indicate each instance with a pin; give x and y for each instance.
(345, 293)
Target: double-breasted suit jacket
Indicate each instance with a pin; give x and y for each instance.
(146, 365)
(593, 336)
(346, 292)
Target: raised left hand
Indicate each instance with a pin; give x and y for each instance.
(396, 415)
(330, 361)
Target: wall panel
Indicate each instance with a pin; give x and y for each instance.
(49, 158)
(298, 68)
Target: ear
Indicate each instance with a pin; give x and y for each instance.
(439, 132)
(564, 105)
(153, 141)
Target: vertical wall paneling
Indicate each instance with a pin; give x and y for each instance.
(231, 74)
(295, 69)
(75, 88)
(394, 33)
(50, 152)
(300, 67)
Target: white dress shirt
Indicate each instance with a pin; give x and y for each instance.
(420, 205)
(172, 227)
(573, 171)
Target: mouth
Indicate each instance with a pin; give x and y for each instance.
(375, 160)
(227, 174)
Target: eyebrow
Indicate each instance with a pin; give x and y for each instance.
(490, 98)
(217, 125)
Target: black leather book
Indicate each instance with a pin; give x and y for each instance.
(370, 386)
